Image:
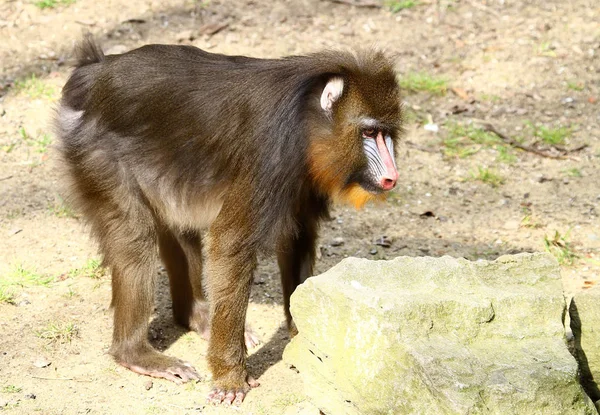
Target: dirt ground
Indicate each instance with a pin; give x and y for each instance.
(531, 70)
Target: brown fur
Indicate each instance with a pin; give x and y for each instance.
(164, 141)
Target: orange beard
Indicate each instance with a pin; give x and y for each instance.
(357, 196)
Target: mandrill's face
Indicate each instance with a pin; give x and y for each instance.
(360, 147)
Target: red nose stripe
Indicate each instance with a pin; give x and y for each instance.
(386, 157)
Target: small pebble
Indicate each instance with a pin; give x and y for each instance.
(148, 385)
(339, 241)
(42, 362)
(431, 127)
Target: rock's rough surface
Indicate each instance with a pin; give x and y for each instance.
(436, 336)
(585, 323)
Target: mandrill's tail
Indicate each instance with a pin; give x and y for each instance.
(87, 52)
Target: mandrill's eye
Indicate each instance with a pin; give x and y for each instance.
(369, 133)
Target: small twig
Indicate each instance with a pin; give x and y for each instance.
(46, 378)
(421, 148)
(484, 8)
(576, 149)
(5, 178)
(358, 3)
(514, 143)
(84, 23)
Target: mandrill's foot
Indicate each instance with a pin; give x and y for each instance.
(250, 338)
(231, 394)
(292, 329)
(152, 363)
(199, 319)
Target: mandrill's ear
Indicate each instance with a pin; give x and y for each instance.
(333, 90)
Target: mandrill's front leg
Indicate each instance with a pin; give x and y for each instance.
(230, 269)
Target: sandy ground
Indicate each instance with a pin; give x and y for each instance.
(528, 68)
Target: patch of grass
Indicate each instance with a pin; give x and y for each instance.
(191, 386)
(464, 141)
(11, 389)
(505, 155)
(7, 148)
(575, 86)
(58, 332)
(551, 135)
(397, 5)
(7, 297)
(574, 172)
(421, 82)
(490, 98)
(25, 277)
(91, 269)
(155, 409)
(487, 176)
(456, 148)
(20, 276)
(35, 88)
(70, 294)
(474, 134)
(546, 49)
(40, 143)
(14, 213)
(560, 247)
(529, 221)
(60, 209)
(394, 195)
(51, 4)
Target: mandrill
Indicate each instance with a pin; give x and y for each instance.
(165, 142)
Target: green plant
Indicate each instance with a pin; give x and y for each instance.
(58, 332)
(422, 82)
(559, 246)
(11, 389)
(550, 135)
(465, 140)
(35, 88)
(61, 209)
(575, 86)
(574, 172)
(505, 154)
(91, 269)
(475, 134)
(70, 294)
(14, 213)
(397, 5)
(456, 148)
(50, 4)
(529, 221)
(546, 49)
(7, 148)
(7, 297)
(487, 176)
(491, 98)
(25, 277)
(40, 143)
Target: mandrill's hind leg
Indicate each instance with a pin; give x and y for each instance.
(128, 236)
(182, 257)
